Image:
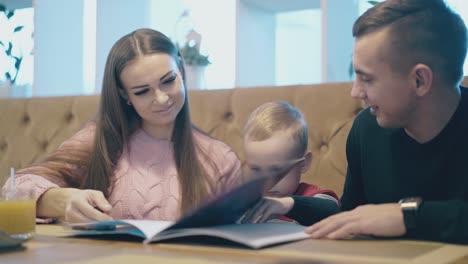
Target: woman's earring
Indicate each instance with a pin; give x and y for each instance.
(128, 102)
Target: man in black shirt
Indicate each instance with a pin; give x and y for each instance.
(406, 152)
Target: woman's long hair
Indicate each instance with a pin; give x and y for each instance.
(116, 121)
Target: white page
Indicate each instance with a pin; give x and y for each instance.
(149, 227)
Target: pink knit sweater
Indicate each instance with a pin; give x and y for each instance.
(145, 183)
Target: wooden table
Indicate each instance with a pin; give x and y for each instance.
(51, 245)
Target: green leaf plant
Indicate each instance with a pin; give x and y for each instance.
(7, 46)
(192, 55)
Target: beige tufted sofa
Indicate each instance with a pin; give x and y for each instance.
(31, 128)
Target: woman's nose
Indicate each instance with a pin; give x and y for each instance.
(160, 97)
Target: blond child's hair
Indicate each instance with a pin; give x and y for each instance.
(274, 116)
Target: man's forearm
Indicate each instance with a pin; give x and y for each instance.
(309, 210)
(443, 221)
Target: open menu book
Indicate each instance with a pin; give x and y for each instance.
(217, 218)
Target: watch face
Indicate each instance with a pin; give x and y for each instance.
(410, 203)
(410, 207)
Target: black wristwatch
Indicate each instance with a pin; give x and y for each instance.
(409, 207)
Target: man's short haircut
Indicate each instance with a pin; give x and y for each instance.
(275, 116)
(421, 31)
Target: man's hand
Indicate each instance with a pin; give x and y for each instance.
(269, 208)
(377, 220)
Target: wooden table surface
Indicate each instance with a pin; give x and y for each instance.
(52, 245)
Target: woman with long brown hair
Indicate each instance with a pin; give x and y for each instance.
(141, 158)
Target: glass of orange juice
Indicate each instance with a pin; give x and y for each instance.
(18, 212)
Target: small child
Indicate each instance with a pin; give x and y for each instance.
(275, 144)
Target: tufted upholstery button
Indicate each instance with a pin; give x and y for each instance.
(44, 145)
(3, 145)
(228, 116)
(323, 147)
(69, 117)
(26, 119)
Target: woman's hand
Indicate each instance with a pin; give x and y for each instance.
(87, 206)
(268, 208)
(74, 205)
